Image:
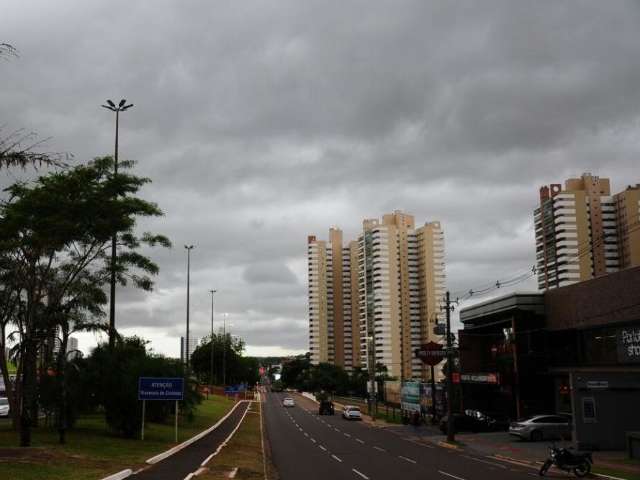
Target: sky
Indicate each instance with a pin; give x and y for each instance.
(263, 122)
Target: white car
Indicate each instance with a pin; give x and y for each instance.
(351, 413)
(288, 402)
(4, 407)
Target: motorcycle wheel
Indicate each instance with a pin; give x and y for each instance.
(545, 467)
(582, 470)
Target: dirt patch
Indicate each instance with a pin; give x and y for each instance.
(47, 455)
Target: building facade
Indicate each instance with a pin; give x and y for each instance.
(574, 349)
(583, 231)
(376, 300)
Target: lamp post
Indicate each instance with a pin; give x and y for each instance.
(121, 107)
(212, 339)
(224, 350)
(186, 350)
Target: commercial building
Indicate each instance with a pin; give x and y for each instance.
(583, 232)
(376, 300)
(572, 349)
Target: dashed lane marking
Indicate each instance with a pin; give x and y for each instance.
(313, 440)
(336, 458)
(360, 473)
(361, 441)
(410, 460)
(379, 449)
(347, 435)
(450, 475)
(323, 447)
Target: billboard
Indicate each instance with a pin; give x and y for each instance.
(410, 396)
(160, 388)
(628, 345)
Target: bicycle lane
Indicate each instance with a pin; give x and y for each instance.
(187, 460)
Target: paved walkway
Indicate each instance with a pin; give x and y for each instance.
(189, 459)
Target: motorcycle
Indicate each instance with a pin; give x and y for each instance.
(579, 463)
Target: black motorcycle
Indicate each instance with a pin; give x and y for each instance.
(578, 463)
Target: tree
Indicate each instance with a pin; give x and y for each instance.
(295, 373)
(239, 369)
(18, 147)
(54, 243)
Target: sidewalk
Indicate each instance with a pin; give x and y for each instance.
(502, 446)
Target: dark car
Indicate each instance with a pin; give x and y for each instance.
(476, 421)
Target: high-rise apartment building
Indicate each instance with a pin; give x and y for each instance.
(584, 232)
(376, 299)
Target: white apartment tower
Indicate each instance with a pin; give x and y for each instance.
(383, 302)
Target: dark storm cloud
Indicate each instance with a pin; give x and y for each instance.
(263, 122)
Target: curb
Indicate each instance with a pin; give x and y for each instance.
(195, 438)
(120, 475)
(450, 446)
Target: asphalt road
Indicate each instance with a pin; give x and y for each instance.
(307, 446)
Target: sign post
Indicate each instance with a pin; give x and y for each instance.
(431, 354)
(155, 388)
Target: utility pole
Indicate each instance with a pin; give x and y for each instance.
(121, 107)
(212, 342)
(450, 424)
(224, 351)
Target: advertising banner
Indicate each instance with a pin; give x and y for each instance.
(410, 396)
(628, 343)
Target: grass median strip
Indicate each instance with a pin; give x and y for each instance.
(91, 451)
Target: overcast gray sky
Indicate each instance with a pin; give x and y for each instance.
(261, 122)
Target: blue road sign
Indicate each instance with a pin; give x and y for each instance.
(158, 388)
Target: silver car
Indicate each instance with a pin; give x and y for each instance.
(4, 407)
(542, 427)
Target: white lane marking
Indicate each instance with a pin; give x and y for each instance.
(313, 440)
(360, 473)
(336, 458)
(407, 459)
(336, 429)
(300, 428)
(380, 449)
(450, 475)
(347, 435)
(484, 461)
(323, 447)
(361, 441)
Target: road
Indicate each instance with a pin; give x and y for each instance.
(307, 446)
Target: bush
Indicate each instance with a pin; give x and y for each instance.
(111, 380)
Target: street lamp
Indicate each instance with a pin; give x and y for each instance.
(188, 248)
(121, 107)
(224, 350)
(212, 343)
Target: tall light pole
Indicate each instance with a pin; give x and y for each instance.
(212, 342)
(224, 350)
(186, 350)
(121, 107)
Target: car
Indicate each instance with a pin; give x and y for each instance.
(288, 402)
(542, 427)
(351, 412)
(4, 407)
(490, 421)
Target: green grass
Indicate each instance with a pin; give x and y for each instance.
(91, 451)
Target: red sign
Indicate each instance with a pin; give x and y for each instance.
(431, 353)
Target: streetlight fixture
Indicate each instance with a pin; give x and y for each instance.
(224, 350)
(212, 342)
(188, 248)
(121, 107)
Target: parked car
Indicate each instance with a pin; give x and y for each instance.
(288, 402)
(476, 421)
(542, 427)
(350, 412)
(4, 407)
